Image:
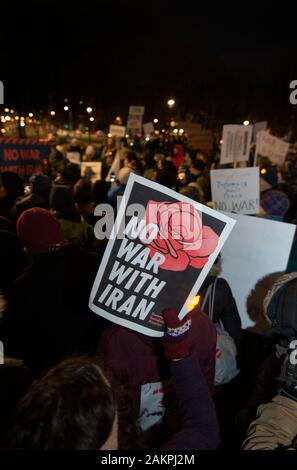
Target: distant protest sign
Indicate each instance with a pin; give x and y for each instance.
(258, 127)
(236, 143)
(117, 131)
(198, 138)
(22, 156)
(74, 157)
(272, 147)
(161, 248)
(236, 190)
(135, 117)
(91, 170)
(148, 128)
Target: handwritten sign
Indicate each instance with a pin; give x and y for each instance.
(117, 131)
(91, 170)
(236, 143)
(272, 147)
(22, 156)
(148, 128)
(135, 118)
(162, 242)
(236, 190)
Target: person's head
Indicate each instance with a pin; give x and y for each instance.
(39, 231)
(83, 196)
(73, 407)
(12, 259)
(100, 190)
(89, 154)
(12, 183)
(268, 179)
(62, 203)
(69, 174)
(131, 160)
(40, 185)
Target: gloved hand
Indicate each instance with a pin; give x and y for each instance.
(288, 377)
(176, 334)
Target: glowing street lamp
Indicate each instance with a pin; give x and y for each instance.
(171, 103)
(92, 119)
(30, 115)
(89, 110)
(156, 121)
(66, 108)
(246, 123)
(52, 113)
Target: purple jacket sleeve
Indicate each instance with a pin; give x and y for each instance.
(200, 430)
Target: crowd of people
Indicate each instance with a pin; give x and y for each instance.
(73, 380)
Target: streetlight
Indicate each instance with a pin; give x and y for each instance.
(156, 121)
(92, 119)
(246, 123)
(52, 113)
(171, 103)
(66, 108)
(89, 110)
(30, 115)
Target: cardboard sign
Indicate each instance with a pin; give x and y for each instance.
(148, 128)
(272, 147)
(256, 247)
(117, 131)
(73, 157)
(198, 138)
(22, 156)
(236, 143)
(236, 190)
(91, 171)
(258, 127)
(135, 118)
(152, 406)
(159, 252)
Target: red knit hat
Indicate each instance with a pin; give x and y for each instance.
(39, 231)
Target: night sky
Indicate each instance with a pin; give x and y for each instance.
(228, 64)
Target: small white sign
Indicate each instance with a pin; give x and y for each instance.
(73, 157)
(148, 128)
(137, 110)
(236, 190)
(117, 131)
(272, 147)
(236, 143)
(91, 171)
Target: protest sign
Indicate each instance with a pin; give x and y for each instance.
(272, 147)
(91, 171)
(148, 128)
(258, 127)
(74, 157)
(135, 118)
(198, 138)
(117, 131)
(236, 190)
(236, 144)
(159, 253)
(22, 156)
(256, 247)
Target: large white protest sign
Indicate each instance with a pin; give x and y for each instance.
(162, 243)
(236, 190)
(117, 131)
(91, 170)
(148, 128)
(256, 248)
(236, 143)
(135, 118)
(272, 147)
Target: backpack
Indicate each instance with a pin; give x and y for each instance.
(226, 367)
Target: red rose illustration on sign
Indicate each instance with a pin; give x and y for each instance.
(181, 238)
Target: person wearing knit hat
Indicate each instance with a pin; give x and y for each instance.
(39, 231)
